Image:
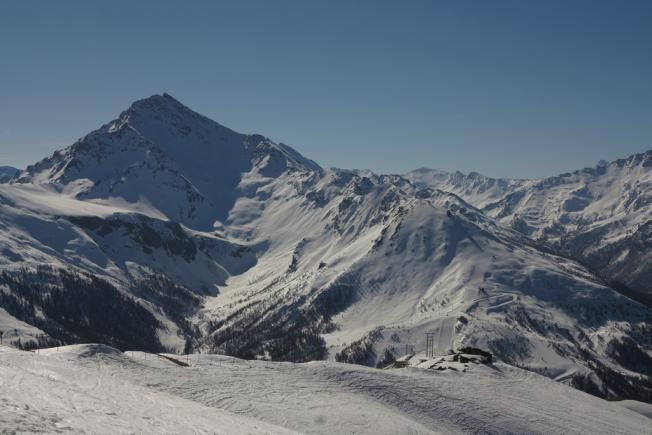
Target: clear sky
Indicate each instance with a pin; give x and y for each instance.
(505, 88)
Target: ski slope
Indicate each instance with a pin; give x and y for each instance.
(78, 390)
(97, 389)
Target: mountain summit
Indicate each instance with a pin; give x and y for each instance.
(160, 142)
(164, 230)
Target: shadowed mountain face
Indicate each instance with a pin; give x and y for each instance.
(161, 153)
(235, 244)
(6, 172)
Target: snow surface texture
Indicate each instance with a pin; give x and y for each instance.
(97, 389)
(195, 236)
(83, 389)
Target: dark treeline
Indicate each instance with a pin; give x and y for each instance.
(74, 308)
(282, 330)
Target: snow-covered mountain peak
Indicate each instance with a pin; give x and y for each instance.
(239, 245)
(187, 135)
(167, 122)
(162, 153)
(598, 214)
(163, 101)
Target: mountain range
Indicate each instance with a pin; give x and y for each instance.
(164, 230)
(599, 216)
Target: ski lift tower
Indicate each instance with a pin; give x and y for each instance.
(430, 344)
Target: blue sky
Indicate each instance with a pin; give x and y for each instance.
(505, 88)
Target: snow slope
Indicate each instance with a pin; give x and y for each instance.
(15, 332)
(163, 230)
(130, 247)
(94, 388)
(600, 215)
(370, 266)
(80, 390)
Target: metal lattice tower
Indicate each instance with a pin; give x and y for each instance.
(430, 344)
